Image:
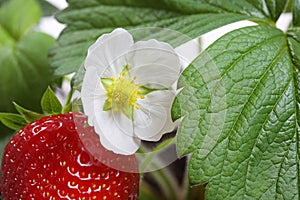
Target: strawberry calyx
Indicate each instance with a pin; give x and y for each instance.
(50, 106)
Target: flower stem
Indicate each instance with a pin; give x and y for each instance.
(68, 104)
(163, 177)
(146, 162)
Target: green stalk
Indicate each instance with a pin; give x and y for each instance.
(68, 104)
(157, 149)
(163, 177)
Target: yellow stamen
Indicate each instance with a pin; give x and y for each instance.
(122, 94)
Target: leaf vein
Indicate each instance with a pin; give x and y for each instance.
(246, 102)
(231, 65)
(265, 121)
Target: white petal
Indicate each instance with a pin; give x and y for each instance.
(153, 119)
(93, 94)
(107, 53)
(112, 137)
(155, 64)
(123, 123)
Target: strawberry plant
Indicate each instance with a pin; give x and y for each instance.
(237, 104)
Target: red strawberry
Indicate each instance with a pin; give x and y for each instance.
(58, 157)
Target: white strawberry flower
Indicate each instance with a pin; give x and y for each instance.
(127, 90)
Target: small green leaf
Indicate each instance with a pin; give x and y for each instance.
(50, 103)
(29, 115)
(13, 121)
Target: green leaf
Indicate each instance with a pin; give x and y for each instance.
(47, 8)
(189, 19)
(28, 115)
(294, 44)
(272, 8)
(176, 110)
(24, 63)
(24, 69)
(240, 116)
(17, 17)
(50, 103)
(13, 121)
(296, 13)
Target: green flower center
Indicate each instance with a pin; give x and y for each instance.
(122, 93)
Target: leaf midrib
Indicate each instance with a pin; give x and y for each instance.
(258, 82)
(242, 109)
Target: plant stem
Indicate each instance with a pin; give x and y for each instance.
(163, 177)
